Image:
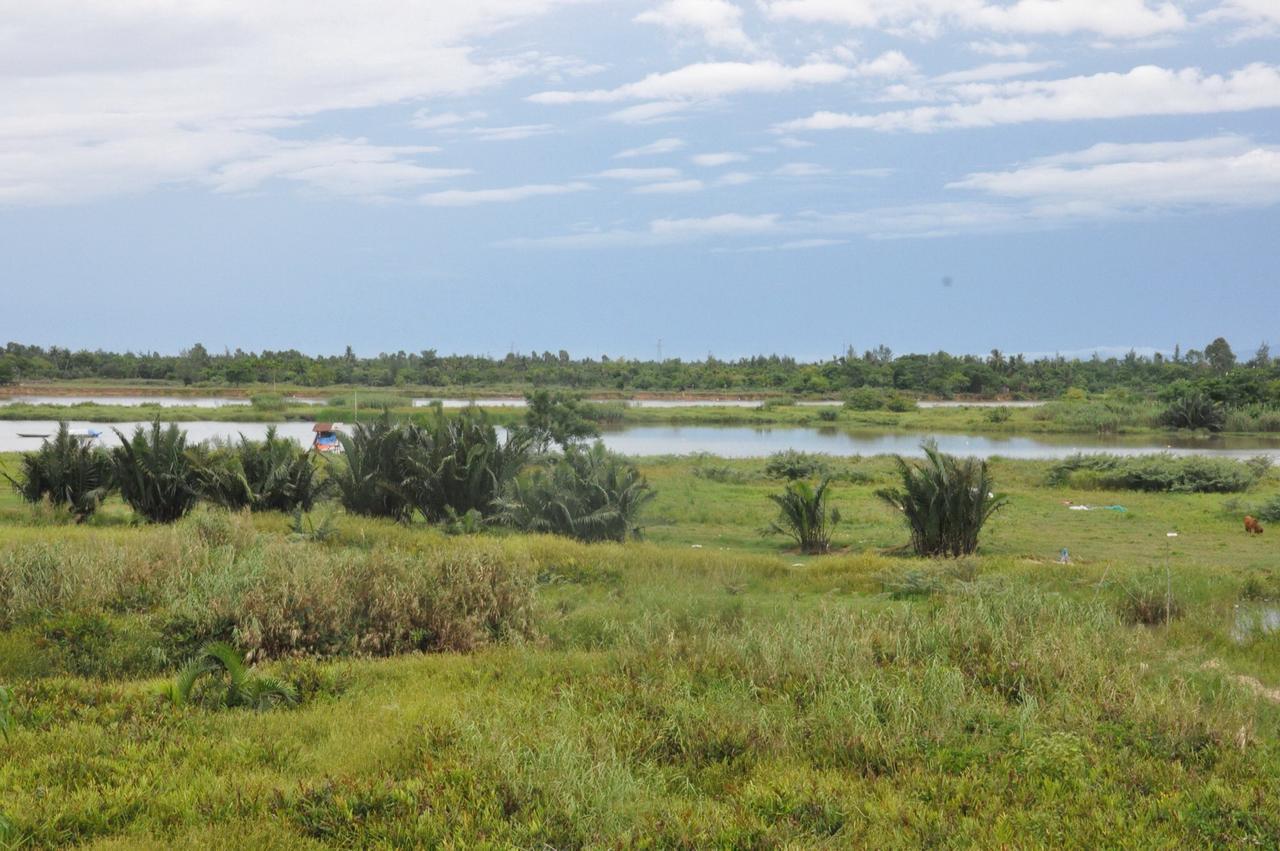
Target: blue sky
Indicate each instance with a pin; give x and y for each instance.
(728, 176)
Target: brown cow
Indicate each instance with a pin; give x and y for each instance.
(1252, 526)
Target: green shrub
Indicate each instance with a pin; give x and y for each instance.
(275, 474)
(267, 402)
(156, 472)
(945, 502)
(1161, 472)
(722, 473)
(1270, 510)
(876, 399)
(590, 494)
(827, 415)
(66, 471)
(803, 515)
(997, 415)
(791, 464)
(558, 418)
(370, 401)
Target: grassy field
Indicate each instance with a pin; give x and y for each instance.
(705, 688)
(1078, 418)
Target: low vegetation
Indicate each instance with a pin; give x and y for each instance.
(705, 687)
(1163, 473)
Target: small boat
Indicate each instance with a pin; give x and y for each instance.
(326, 437)
(32, 436)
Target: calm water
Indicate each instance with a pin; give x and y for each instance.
(133, 401)
(712, 403)
(748, 442)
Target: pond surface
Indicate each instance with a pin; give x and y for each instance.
(711, 403)
(749, 442)
(134, 401)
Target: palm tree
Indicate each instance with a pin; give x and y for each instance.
(68, 472)
(243, 688)
(586, 493)
(156, 472)
(804, 517)
(945, 502)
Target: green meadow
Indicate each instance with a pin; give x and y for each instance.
(706, 686)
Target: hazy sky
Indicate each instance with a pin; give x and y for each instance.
(728, 177)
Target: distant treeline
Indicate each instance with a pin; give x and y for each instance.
(1215, 370)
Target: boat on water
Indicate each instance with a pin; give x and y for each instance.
(88, 435)
(326, 440)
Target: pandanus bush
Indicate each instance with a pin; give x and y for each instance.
(68, 472)
(370, 477)
(457, 466)
(157, 473)
(586, 493)
(945, 500)
(238, 686)
(804, 515)
(1194, 410)
(275, 474)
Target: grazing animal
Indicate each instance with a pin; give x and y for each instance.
(1252, 526)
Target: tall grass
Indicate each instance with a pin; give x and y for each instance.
(68, 472)
(945, 502)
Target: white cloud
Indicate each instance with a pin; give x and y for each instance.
(1002, 49)
(721, 225)
(639, 174)
(927, 18)
(735, 178)
(670, 187)
(801, 170)
(715, 160)
(512, 133)
(1145, 90)
(100, 99)
(993, 71)
(471, 197)
(1224, 171)
(341, 167)
(1259, 18)
(717, 21)
(706, 80)
(651, 113)
(659, 232)
(424, 119)
(656, 148)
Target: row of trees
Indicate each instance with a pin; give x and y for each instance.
(454, 471)
(938, 374)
